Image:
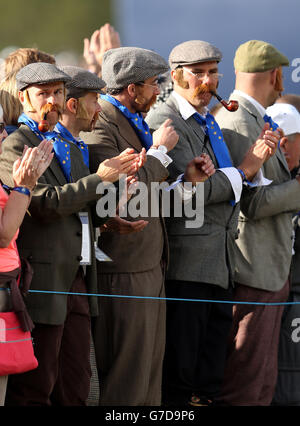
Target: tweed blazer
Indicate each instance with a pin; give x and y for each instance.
(203, 254)
(51, 233)
(136, 252)
(264, 248)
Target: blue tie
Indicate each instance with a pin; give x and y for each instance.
(217, 142)
(268, 119)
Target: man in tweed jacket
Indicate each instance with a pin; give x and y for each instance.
(201, 259)
(129, 335)
(51, 239)
(264, 248)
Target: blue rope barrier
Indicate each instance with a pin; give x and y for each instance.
(233, 302)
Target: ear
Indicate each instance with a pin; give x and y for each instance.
(173, 75)
(21, 96)
(131, 89)
(273, 75)
(71, 105)
(283, 143)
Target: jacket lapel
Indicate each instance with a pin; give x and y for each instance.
(123, 125)
(200, 142)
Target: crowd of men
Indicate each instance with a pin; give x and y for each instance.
(152, 347)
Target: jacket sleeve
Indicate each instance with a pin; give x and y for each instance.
(282, 195)
(49, 201)
(217, 188)
(106, 142)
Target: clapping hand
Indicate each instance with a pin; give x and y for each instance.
(33, 163)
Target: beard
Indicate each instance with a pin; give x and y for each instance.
(141, 104)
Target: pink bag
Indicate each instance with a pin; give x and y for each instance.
(16, 349)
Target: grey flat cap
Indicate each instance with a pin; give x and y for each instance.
(39, 73)
(192, 52)
(82, 82)
(125, 65)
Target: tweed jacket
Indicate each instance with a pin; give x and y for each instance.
(264, 248)
(51, 233)
(203, 254)
(141, 251)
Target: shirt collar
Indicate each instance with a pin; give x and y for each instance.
(253, 101)
(185, 108)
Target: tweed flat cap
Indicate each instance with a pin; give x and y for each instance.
(125, 65)
(192, 52)
(258, 56)
(82, 82)
(39, 73)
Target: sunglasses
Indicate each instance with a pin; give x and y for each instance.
(2, 127)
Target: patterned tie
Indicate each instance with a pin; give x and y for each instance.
(268, 119)
(217, 142)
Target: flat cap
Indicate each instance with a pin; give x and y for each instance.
(286, 116)
(40, 73)
(258, 56)
(192, 52)
(82, 82)
(125, 65)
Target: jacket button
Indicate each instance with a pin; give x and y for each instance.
(79, 234)
(79, 258)
(30, 257)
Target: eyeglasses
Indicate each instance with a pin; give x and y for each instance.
(2, 127)
(154, 85)
(200, 75)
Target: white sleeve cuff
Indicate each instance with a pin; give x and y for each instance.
(163, 158)
(260, 180)
(235, 179)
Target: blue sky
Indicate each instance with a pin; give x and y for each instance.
(161, 24)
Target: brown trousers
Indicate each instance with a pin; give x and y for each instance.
(129, 338)
(63, 353)
(251, 369)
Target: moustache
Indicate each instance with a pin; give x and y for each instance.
(203, 88)
(50, 108)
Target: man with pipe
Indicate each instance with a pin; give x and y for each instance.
(264, 248)
(202, 259)
(56, 237)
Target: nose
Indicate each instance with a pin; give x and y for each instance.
(207, 78)
(157, 90)
(51, 99)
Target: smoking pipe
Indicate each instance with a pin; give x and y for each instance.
(230, 106)
(43, 124)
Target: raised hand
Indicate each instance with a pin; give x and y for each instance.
(165, 135)
(32, 164)
(101, 40)
(199, 169)
(264, 147)
(125, 163)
